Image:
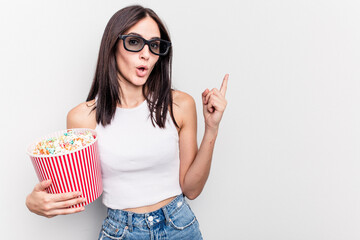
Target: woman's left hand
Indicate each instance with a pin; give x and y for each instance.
(214, 104)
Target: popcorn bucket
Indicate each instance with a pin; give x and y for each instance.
(77, 170)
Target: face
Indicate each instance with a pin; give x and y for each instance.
(135, 67)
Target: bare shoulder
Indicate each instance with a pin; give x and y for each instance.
(181, 98)
(82, 116)
(184, 107)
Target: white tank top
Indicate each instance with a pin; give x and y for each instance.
(139, 162)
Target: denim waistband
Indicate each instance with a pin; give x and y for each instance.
(150, 219)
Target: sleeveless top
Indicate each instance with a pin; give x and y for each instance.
(139, 162)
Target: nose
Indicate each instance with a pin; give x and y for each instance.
(145, 52)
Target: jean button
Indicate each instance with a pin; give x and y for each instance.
(150, 218)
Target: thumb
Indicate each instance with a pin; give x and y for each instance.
(41, 186)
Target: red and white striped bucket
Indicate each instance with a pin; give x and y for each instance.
(77, 170)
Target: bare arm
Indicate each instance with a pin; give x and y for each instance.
(195, 163)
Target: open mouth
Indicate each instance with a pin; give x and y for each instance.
(141, 71)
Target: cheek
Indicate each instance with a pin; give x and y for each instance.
(154, 62)
(122, 58)
(123, 63)
(120, 66)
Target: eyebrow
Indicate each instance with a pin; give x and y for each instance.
(136, 34)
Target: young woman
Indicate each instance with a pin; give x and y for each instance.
(146, 135)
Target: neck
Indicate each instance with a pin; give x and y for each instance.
(130, 95)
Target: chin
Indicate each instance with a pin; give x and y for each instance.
(139, 82)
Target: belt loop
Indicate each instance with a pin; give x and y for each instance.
(130, 221)
(167, 219)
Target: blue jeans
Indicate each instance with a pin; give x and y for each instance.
(176, 220)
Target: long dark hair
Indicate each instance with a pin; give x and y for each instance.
(157, 89)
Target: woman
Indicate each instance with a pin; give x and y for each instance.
(149, 158)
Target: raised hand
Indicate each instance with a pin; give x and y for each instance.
(214, 104)
(50, 205)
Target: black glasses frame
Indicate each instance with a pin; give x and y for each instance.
(147, 42)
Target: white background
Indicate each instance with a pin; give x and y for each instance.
(286, 162)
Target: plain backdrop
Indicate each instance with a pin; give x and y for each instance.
(286, 161)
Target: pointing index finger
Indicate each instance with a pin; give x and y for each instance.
(224, 84)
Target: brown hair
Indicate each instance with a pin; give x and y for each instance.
(157, 89)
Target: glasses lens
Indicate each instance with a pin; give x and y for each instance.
(155, 46)
(133, 43)
(159, 47)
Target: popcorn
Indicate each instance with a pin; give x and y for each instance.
(71, 160)
(67, 142)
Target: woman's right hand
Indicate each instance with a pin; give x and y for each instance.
(51, 205)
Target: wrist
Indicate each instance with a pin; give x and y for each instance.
(211, 130)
